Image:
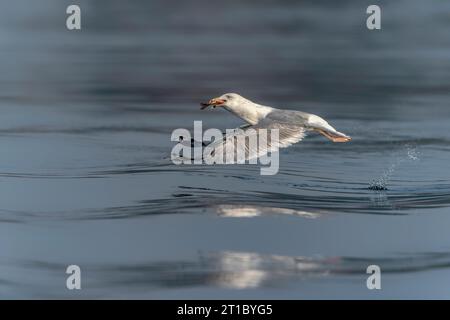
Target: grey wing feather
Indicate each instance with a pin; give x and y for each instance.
(250, 142)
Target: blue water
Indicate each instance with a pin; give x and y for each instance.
(86, 119)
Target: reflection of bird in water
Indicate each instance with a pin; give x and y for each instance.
(292, 125)
(249, 211)
(243, 270)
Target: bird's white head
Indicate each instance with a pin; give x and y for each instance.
(240, 106)
(229, 100)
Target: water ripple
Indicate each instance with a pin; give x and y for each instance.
(238, 270)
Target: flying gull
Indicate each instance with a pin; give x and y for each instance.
(292, 125)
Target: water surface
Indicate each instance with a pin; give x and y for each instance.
(85, 134)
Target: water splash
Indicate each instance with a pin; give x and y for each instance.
(381, 183)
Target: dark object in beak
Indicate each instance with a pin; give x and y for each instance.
(213, 102)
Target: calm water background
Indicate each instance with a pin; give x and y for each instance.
(85, 125)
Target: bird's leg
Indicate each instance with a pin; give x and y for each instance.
(333, 136)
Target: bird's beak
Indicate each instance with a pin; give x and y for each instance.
(216, 102)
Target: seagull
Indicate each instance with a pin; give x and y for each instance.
(291, 124)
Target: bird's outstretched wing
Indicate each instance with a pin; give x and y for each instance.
(253, 141)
